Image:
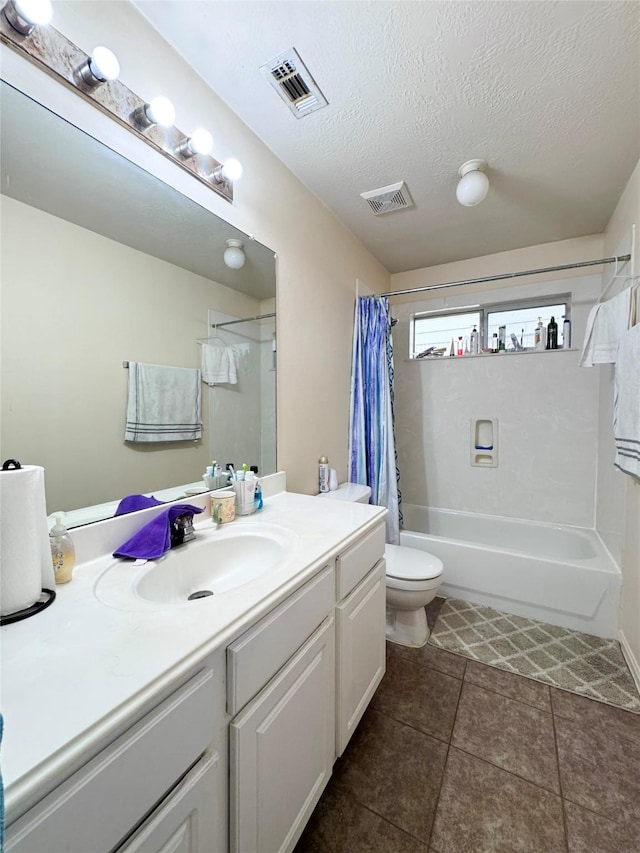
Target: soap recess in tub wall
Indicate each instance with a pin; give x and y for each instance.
(484, 442)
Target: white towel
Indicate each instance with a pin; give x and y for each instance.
(606, 323)
(626, 407)
(218, 365)
(163, 404)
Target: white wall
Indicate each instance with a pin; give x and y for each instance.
(318, 261)
(545, 404)
(618, 516)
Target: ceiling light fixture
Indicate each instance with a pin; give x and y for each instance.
(102, 66)
(234, 257)
(231, 170)
(25, 15)
(200, 142)
(473, 185)
(158, 111)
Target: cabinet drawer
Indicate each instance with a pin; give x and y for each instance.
(97, 806)
(184, 822)
(255, 657)
(358, 561)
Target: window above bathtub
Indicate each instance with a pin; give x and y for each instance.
(441, 332)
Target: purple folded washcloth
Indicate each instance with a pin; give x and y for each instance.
(152, 540)
(132, 503)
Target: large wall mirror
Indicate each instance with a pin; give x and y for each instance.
(102, 264)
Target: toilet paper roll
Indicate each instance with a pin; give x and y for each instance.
(25, 553)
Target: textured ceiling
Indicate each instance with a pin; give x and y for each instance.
(548, 93)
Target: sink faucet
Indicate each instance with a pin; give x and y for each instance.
(182, 529)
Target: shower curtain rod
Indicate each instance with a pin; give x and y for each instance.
(616, 259)
(244, 320)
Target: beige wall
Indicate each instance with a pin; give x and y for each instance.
(618, 494)
(72, 312)
(318, 260)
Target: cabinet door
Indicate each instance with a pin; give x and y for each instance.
(282, 749)
(184, 822)
(361, 651)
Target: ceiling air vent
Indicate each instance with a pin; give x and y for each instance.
(291, 79)
(386, 199)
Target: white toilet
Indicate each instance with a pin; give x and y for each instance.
(413, 579)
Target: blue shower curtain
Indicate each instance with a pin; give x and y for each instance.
(372, 454)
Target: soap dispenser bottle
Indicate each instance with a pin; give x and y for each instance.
(63, 552)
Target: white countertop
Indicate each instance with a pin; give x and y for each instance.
(77, 670)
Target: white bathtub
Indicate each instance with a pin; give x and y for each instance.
(560, 575)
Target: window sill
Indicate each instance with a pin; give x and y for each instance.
(489, 355)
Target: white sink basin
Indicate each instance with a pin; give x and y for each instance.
(218, 561)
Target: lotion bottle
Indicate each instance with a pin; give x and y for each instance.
(323, 474)
(63, 552)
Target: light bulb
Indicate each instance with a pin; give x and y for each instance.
(160, 111)
(232, 169)
(234, 257)
(104, 64)
(473, 185)
(100, 67)
(201, 142)
(25, 15)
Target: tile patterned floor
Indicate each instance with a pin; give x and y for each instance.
(454, 756)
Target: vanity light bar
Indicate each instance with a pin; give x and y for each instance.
(24, 28)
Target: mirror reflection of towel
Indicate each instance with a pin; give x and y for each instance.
(163, 403)
(218, 365)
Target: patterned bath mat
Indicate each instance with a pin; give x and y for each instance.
(566, 659)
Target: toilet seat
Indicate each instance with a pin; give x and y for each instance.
(411, 568)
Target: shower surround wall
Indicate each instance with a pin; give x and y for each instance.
(545, 404)
(251, 401)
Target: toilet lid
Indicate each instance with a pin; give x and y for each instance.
(411, 563)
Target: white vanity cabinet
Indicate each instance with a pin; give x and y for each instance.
(99, 806)
(360, 628)
(281, 744)
(234, 752)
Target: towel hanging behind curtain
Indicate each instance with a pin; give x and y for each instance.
(163, 404)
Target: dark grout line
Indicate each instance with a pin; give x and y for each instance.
(562, 800)
(504, 770)
(414, 728)
(444, 769)
(402, 829)
(512, 698)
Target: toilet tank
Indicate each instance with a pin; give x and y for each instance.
(354, 492)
